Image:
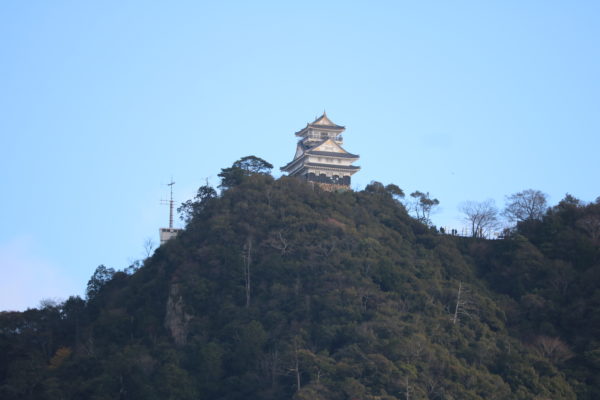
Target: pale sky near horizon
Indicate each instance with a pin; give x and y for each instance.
(102, 102)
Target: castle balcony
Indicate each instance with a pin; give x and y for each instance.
(318, 136)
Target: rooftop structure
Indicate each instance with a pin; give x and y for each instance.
(320, 157)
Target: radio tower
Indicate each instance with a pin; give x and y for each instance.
(168, 233)
(170, 185)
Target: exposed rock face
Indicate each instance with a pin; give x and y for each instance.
(176, 319)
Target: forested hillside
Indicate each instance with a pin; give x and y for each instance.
(279, 290)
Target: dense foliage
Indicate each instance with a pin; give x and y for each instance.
(279, 290)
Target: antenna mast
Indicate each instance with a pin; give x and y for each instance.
(169, 233)
(171, 204)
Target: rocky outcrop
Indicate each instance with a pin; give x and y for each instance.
(176, 319)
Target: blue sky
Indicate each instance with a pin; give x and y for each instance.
(102, 102)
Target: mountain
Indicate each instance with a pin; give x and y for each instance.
(279, 290)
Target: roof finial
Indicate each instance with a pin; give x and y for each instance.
(324, 112)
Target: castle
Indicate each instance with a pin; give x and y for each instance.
(320, 157)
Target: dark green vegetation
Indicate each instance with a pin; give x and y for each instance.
(278, 290)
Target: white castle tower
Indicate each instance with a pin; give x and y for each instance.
(320, 157)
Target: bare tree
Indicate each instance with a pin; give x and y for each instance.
(464, 306)
(295, 367)
(50, 303)
(247, 259)
(481, 216)
(270, 366)
(529, 204)
(458, 303)
(553, 348)
(591, 225)
(279, 242)
(148, 246)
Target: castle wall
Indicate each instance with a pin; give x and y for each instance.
(329, 180)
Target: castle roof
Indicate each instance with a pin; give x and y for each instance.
(323, 122)
(326, 148)
(331, 154)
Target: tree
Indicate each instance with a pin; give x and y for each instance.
(101, 277)
(149, 245)
(527, 205)
(569, 202)
(394, 191)
(391, 189)
(422, 206)
(375, 187)
(553, 348)
(591, 225)
(253, 165)
(463, 305)
(247, 259)
(191, 208)
(243, 168)
(481, 216)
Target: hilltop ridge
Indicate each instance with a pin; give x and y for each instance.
(277, 289)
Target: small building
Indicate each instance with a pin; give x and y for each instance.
(320, 157)
(167, 234)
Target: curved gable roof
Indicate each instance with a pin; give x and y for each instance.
(324, 121)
